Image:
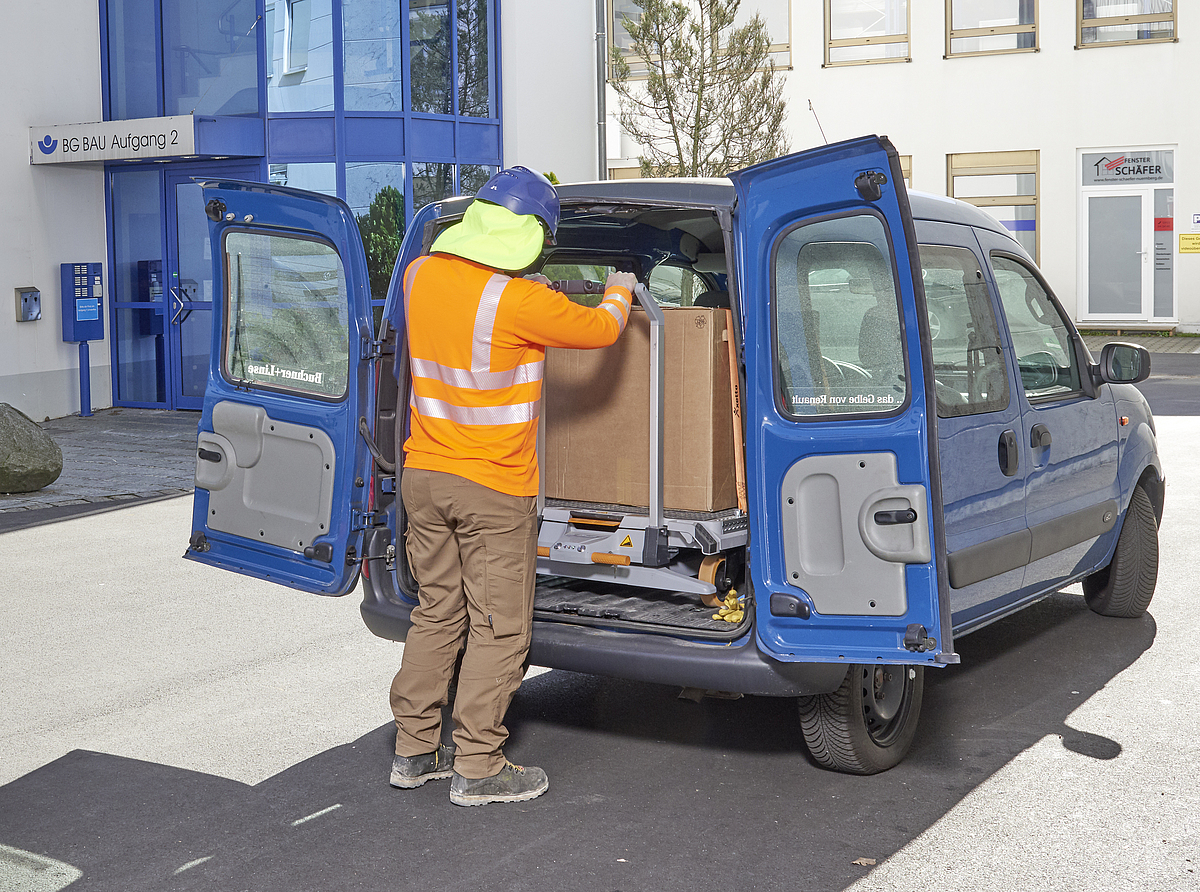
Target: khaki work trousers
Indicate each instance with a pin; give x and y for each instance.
(473, 552)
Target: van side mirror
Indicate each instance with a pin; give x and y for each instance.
(1122, 364)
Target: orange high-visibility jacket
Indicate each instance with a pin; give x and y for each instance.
(477, 342)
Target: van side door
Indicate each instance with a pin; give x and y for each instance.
(1072, 498)
(979, 427)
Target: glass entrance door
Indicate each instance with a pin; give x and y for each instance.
(1118, 262)
(188, 283)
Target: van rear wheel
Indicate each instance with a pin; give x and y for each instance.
(867, 725)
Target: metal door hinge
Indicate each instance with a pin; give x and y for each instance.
(364, 520)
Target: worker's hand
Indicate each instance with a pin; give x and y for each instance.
(621, 280)
(539, 278)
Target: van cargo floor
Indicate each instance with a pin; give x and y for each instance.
(608, 603)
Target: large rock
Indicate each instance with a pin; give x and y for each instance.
(29, 459)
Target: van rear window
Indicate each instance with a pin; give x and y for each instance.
(837, 319)
(286, 324)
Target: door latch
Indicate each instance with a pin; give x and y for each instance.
(1007, 453)
(917, 639)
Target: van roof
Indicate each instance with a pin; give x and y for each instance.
(717, 192)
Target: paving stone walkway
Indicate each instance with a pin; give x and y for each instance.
(117, 455)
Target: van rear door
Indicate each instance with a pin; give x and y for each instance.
(281, 469)
(847, 542)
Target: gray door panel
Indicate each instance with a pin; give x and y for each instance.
(268, 480)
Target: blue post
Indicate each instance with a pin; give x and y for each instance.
(85, 381)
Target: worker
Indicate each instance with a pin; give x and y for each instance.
(477, 338)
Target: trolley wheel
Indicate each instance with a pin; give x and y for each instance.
(712, 571)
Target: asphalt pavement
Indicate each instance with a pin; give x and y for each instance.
(172, 726)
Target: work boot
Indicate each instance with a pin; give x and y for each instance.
(412, 771)
(512, 784)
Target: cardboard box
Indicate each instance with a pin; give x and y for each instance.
(597, 413)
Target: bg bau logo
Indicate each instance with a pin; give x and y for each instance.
(48, 145)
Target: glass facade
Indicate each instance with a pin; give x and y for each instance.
(387, 104)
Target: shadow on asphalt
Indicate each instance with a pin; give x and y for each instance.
(647, 791)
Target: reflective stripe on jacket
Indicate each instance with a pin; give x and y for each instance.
(477, 342)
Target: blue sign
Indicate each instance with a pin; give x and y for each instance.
(48, 145)
(87, 310)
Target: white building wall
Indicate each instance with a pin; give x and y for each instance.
(53, 213)
(548, 82)
(1058, 100)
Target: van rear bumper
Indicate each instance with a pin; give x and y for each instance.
(736, 667)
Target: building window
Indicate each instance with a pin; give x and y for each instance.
(371, 56)
(375, 193)
(984, 27)
(299, 44)
(1119, 22)
(269, 40)
(906, 170)
(210, 58)
(1005, 184)
(299, 24)
(312, 176)
(475, 99)
(429, 56)
(777, 14)
(859, 32)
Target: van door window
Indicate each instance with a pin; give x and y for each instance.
(286, 324)
(837, 320)
(968, 362)
(1041, 341)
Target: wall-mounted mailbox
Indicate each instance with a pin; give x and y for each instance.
(29, 304)
(82, 302)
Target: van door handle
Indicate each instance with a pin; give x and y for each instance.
(1039, 436)
(1007, 453)
(907, 515)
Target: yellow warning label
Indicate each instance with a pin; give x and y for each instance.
(1189, 243)
(626, 543)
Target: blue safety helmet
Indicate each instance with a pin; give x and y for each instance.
(523, 191)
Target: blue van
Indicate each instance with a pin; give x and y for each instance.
(925, 443)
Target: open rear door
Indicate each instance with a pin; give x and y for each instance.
(847, 544)
(281, 470)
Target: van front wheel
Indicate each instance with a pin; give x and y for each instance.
(1124, 588)
(867, 725)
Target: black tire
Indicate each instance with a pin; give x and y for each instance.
(867, 725)
(1124, 588)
